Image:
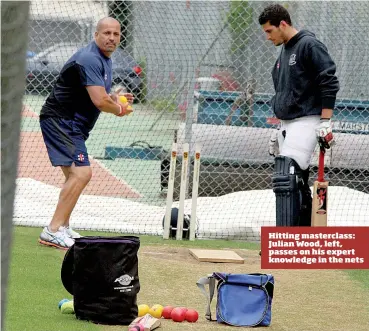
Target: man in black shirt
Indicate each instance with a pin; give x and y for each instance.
(305, 93)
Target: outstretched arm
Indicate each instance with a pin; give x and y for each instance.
(92, 75)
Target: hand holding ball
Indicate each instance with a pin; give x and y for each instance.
(124, 100)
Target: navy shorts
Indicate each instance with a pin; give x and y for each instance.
(65, 142)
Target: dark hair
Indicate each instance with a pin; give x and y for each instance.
(274, 14)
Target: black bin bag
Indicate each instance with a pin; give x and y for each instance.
(102, 275)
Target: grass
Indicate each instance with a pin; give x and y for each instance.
(362, 276)
(168, 276)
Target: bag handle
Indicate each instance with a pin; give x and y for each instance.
(209, 280)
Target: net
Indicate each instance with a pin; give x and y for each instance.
(195, 61)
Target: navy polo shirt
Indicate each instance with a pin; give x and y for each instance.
(69, 98)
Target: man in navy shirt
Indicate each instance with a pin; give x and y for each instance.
(79, 95)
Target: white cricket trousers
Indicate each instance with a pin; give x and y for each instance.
(300, 141)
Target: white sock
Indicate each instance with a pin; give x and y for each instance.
(48, 228)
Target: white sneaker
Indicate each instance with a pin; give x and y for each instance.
(70, 232)
(58, 239)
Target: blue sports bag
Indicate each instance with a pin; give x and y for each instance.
(242, 299)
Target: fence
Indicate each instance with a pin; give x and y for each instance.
(196, 58)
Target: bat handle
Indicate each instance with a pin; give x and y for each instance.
(321, 165)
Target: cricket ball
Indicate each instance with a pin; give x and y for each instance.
(192, 315)
(167, 312)
(61, 302)
(184, 308)
(67, 307)
(123, 100)
(156, 311)
(143, 310)
(178, 315)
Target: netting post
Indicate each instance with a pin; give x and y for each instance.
(14, 22)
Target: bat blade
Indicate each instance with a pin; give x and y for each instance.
(319, 211)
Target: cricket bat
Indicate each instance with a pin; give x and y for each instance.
(147, 322)
(320, 195)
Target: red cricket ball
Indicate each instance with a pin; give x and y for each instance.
(191, 315)
(184, 308)
(167, 312)
(178, 315)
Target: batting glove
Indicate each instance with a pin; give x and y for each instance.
(324, 133)
(273, 144)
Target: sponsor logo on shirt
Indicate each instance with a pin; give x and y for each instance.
(292, 60)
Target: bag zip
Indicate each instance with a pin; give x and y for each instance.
(222, 280)
(107, 241)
